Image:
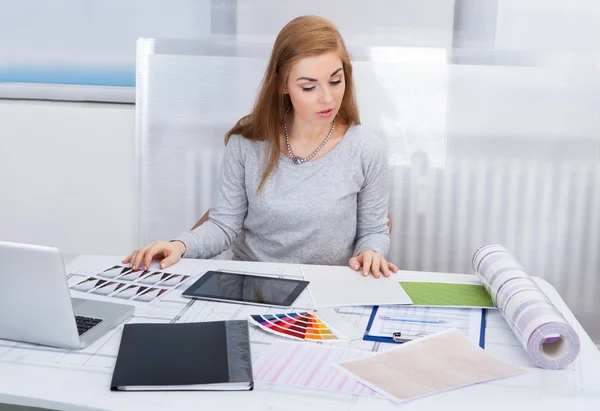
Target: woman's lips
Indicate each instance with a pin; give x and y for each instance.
(325, 113)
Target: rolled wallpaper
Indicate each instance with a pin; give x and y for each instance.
(549, 340)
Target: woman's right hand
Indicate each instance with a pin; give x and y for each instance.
(169, 251)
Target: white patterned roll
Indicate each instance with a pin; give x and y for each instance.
(549, 340)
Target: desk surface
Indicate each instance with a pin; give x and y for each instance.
(67, 380)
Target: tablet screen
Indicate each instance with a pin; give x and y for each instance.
(246, 288)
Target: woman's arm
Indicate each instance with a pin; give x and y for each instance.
(373, 220)
(204, 219)
(372, 230)
(210, 236)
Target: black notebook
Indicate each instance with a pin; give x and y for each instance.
(188, 356)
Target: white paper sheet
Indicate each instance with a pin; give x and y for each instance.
(342, 286)
(412, 321)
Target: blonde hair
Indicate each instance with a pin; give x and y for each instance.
(305, 36)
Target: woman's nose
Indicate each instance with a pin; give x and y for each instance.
(326, 96)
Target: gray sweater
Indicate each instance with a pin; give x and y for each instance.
(323, 211)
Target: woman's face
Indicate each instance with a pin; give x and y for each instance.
(316, 88)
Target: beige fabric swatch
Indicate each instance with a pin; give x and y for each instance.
(427, 366)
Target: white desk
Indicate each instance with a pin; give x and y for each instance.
(69, 380)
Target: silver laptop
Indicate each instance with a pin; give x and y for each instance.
(36, 306)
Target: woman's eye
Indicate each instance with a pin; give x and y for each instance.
(333, 83)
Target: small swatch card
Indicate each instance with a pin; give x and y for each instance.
(297, 326)
(322, 326)
(124, 283)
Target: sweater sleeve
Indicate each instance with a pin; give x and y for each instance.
(229, 209)
(372, 232)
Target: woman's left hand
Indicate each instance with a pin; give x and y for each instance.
(372, 261)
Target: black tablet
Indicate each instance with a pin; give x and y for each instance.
(246, 288)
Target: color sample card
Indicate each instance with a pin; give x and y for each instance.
(115, 271)
(88, 284)
(124, 283)
(427, 366)
(435, 294)
(298, 326)
(108, 287)
(127, 292)
(312, 366)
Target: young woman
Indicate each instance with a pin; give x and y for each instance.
(301, 181)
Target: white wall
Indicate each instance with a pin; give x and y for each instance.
(548, 25)
(425, 23)
(67, 175)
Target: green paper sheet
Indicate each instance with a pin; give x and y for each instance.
(447, 295)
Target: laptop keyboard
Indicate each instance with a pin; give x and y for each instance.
(85, 323)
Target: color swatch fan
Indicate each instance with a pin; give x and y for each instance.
(298, 326)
